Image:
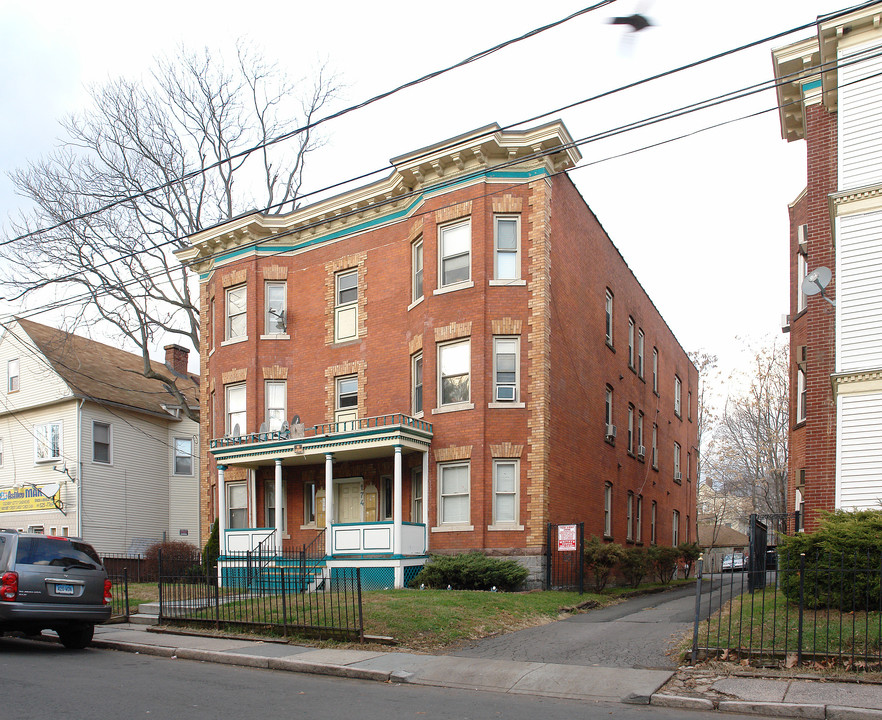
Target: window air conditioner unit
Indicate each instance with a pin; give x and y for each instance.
(678, 476)
(641, 451)
(505, 393)
(610, 432)
(802, 238)
(785, 323)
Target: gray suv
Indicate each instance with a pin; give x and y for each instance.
(51, 583)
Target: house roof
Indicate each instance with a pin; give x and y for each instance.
(105, 374)
(726, 537)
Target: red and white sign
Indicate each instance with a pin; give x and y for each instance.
(566, 538)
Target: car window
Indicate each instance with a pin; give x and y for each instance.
(56, 553)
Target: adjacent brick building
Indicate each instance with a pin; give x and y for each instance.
(830, 95)
(447, 359)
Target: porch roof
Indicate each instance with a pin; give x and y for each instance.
(360, 439)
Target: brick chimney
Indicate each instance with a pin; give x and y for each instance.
(176, 358)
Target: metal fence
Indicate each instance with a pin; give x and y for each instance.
(119, 605)
(136, 567)
(564, 557)
(275, 593)
(824, 609)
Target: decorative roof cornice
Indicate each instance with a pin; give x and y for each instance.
(857, 382)
(857, 200)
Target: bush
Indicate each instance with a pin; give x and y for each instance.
(663, 560)
(689, 553)
(471, 571)
(211, 551)
(178, 558)
(634, 565)
(601, 557)
(843, 545)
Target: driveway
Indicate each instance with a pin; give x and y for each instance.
(636, 633)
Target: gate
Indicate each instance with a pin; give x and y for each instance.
(756, 558)
(564, 557)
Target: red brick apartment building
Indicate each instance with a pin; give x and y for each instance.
(447, 359)
(830, 95)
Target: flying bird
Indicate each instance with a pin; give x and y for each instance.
(637, 22)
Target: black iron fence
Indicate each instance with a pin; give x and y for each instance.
(119, 587)
(824, 609)
(279, 593)
(564, 566)
(135, 566)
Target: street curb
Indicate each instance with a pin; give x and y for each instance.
(841, 712)
(326, 669)
(774, 709)
(136, 648)
(682, 701)
(223, 658)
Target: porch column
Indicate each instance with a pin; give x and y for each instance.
(329, 503)
(397, 529)
(221, 509)
(278, 501)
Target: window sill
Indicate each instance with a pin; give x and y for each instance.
(799, 424)
(211, 352)
(275, 336)
(234, 341)
(504, 528)
(453, 528)
(415, 303)
(341, 342)
(503, 405)
(655, 467)
(311, 526)
(641, 458)
(678, 482)
(417, 415)
(610, 345)
(453, 288)
(453, 408)
(102, 464)
(508, 283)
(610, 441)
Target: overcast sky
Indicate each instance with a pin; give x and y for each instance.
(701, 221)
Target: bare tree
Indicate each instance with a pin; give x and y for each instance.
(190, 120)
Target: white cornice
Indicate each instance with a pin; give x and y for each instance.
(856, 201)
(857, 383)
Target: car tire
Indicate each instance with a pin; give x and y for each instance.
(76, 637)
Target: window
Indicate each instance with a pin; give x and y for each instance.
(607, 510)
(505, 369)
(800, 395)
(417, 265)
(630, 533)
(609, 318)
(506, 480)
(454, 363)
(652, 516)
(608, 415)
(236, 305)
(1, 452)
(346, 306)
(276, 404)
(677, 475)
(269, 505)
(675, 529)
(678, 387)
(687, 528)
(454, 488)
(641, 450)
(47, 442)
(309, 503)
(655, 446)
(101, 443)
(417, 392)
(12, 375)
(801, 272)
(237, 506)
(235, 402)
(275, 320)
(688, 467)
(655, 370)
(386, 499)
(416, 495)
(641, 342)
(638, 521)
(630, 428)
(631, 343)
(347, 398)
(455, 247)
(689, 406)
(212, 333)
(799, 500)
(183, 456)
(507, 264)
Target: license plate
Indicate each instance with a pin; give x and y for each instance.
(64, 589)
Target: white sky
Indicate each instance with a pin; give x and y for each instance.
(701, 221)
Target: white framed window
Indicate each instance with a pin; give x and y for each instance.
(416, 370)
(386, 499)
(506, 484)
(678, 389)
(607, 510)
(655, 446)
(346, 394)
(655, 370)
(801, 272)
(800, 395)
(416, 495)
(653, 513)
(275, 316)
(506, 369)
(641, 343)
(609, 317)
(638, 520)
(346, 305)
(309, 502)
(630, 527)
(13, 378)
(417, 265)
(237, 505)
(677, 475)
(235, 410)
(630, 428)
(453, 487)
(236, 315)
(454, 371)
(688, 466)
(101, 443)
(455, 253)
(47, 442)
(608, 409)
(212, 332)
(269, 505)
(183, 447)
(506, 247)
(640, 442)
(689, 406)
(276, 396)
(631, 348)
(675, 528)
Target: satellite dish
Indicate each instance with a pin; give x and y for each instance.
(50, 490)
(285, 426)
(816, 281)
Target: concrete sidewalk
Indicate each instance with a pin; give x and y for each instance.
(814, 700)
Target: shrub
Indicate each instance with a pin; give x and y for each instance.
(471, 571)
(689, 553)
(634, 565)
(211, 551)
(663, 560)
(178, 558)
(835, 554)
(601, 558)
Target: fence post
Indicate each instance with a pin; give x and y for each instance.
(360, 614)
(801, 607)
(126, 584)
(284, 603)
(159, 578)
(217, 582)
(581, 559)
(699, 570)
(548, 559)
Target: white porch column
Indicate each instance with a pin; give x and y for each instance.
(426, 498)
(329, 503)
(278, 501)
(397, 529)
(221, 509)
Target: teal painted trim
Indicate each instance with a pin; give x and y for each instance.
(813, 85)
(376, 522)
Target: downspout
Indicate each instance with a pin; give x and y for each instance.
(79, 482)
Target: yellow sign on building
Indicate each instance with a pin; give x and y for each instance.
(29, 498)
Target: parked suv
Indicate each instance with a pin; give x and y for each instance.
(51, 583)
